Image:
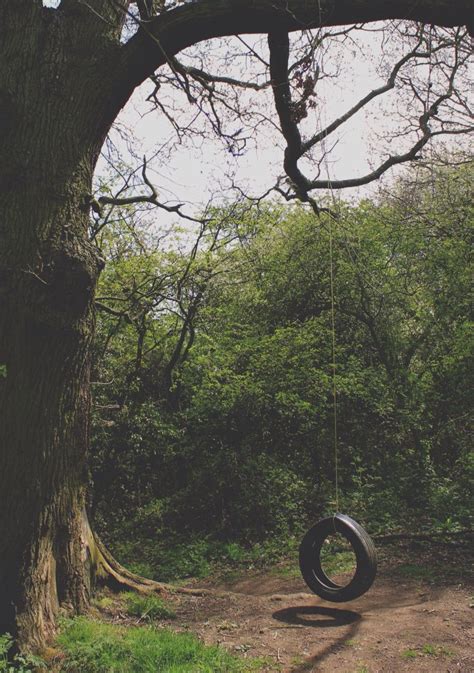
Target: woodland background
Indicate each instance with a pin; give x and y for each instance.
(213, 422)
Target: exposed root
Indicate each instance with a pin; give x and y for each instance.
(107, 571)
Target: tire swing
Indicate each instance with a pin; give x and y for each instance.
(312, 543)
(310, 559)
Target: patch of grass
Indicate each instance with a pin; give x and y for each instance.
(297, 660)
(230, 576)
(415, 572)
(103, 602)
(177, 558)
(437, 650)
(147, 607)
(427, 650)
(95, 647)
(141, 568)
(287, 570)
(410, 654)
(362, 668)
(337, 562)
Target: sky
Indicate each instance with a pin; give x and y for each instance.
(195, 169)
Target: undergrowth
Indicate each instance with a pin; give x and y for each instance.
(19, 663)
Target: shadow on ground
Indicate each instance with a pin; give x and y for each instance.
(316, 616)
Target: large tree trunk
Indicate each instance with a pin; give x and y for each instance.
(48, 272)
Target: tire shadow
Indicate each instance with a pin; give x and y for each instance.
(316, 616)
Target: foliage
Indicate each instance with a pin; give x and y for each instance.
(95, 647)
(18, 663)
(237, 448)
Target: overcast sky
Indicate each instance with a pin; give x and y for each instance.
(193, 171)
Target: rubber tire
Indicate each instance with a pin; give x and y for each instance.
(362, 546)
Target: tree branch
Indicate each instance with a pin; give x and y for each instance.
(146, 198)
(167, 34)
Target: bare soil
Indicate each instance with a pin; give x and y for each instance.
(417, 617)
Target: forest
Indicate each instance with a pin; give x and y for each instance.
(213, 401)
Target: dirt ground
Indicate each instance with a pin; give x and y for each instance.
(417, 617)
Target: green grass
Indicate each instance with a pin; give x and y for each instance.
(147, 607)
(95, 647)
(335, 563)
(286, 570)
(415, 572)
(427, 650)
(103, 602)
(410, 654)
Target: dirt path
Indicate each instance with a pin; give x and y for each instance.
(401, 625)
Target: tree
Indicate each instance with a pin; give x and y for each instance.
(65, 74)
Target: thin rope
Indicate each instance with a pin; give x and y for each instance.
(332, 218)
(333, 327)
(428, 101)
(333, 348)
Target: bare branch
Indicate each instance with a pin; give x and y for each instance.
(146, 198)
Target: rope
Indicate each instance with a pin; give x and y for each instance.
(333, 348)
(428, 101)
(332, 217)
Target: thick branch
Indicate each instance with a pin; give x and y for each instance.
(169, 33)
(279, 46)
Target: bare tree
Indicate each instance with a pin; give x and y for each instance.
(65, 74)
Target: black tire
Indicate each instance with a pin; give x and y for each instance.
(362, 546)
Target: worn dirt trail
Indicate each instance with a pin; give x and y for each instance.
(401, 625)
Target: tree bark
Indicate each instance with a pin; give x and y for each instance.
(48, 272)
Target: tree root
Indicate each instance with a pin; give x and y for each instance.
(105, 570)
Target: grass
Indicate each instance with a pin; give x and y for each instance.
(147, 607)
(410, 654)
(415, 572)
(94, 647)
(199, 558)
(103, 602)
(427, 650)
(288, 570)
(335, 563)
